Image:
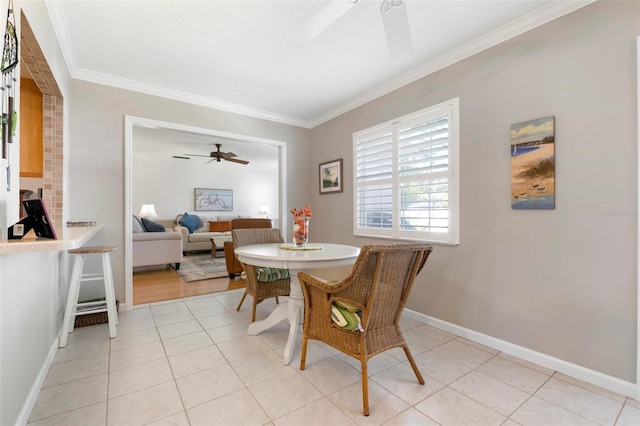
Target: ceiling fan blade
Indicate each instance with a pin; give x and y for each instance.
(320, 22)
(237, 160)
(396, 29)
(207, 162)
(197, 155)
(228, 155)
(181, 157)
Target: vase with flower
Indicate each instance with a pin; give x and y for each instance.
(301, 226)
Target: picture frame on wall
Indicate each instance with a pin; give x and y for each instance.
(330, 177)
(533, 164)
(213, 199)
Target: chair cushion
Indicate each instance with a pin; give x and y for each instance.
(191, 222)
(269, 275)
(348, 306)
(346, 316)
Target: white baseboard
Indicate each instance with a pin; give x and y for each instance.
(32, 397)
(596, 378)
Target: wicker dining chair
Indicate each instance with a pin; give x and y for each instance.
(262, 283)
(360, 315)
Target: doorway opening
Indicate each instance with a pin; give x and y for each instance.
(138, 125)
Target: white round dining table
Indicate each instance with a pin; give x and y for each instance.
(286, 256)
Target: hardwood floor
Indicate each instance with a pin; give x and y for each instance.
(166, 284)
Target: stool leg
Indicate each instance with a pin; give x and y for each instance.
(76, 297)
(72, 299)
(109, 273)
(109, 294)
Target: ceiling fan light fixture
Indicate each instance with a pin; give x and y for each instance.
(388, 5)
(396, 29)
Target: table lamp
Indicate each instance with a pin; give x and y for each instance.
(148, 210)
(265, 210)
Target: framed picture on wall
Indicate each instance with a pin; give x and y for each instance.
(533, 164)
(213, 199)
(331, 177)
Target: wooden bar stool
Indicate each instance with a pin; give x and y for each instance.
(73, 307)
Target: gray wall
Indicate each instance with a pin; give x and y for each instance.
(560, 282)
(96, 152)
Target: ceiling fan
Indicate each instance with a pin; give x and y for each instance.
(394, 20)
(216, 156)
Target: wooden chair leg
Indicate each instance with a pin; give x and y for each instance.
(413, 364)
(241, 300)
(277, 301)
(303, 353)
(365, 388)
(253, 312)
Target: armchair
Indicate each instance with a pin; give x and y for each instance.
(262, 283)
(234, 267)
(366, 306)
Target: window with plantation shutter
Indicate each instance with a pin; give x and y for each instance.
(406, 177)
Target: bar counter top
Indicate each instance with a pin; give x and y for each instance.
(73, 237)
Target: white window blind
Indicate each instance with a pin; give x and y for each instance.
(406, 177)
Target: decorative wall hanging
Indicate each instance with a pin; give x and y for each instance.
(533, 161)
(214, 199)
(331, 176)
(9, 62)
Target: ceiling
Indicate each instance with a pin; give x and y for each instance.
(249, 56)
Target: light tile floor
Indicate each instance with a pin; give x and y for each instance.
(191, 362)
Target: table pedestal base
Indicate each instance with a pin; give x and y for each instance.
(291, 311)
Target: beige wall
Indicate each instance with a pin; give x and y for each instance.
(96, 152)
(560, 282)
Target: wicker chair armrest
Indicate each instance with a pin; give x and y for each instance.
(251, 274)
(327, 286)
(329, 291)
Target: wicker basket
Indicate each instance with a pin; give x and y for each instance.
(93, 319)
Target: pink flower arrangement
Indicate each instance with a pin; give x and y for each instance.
(301, 224)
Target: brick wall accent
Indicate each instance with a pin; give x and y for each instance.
(33, 59)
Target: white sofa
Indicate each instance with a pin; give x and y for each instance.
(200, 239)
(155, 248)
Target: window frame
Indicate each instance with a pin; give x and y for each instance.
(450, 109)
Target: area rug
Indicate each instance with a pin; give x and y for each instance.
(196, 267)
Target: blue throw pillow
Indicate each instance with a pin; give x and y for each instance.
(152, 226)
(191, 222)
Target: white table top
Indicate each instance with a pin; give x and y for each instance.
(273, 255)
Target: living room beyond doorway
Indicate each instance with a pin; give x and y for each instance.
(166, 142)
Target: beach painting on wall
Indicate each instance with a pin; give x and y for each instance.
(533, 164)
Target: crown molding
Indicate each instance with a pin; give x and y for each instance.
(61, 29)
(150, 89)
(535, 19)
(528, 22)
